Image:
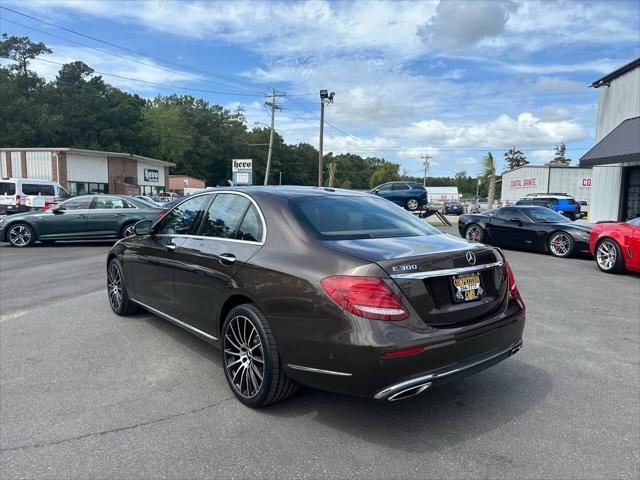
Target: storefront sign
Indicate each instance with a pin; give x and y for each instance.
(524, 183)
(584, 182)
(151, 175)
(242, 171)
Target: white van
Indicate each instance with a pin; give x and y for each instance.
(14, 193)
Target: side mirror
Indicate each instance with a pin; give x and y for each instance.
(516, 221)
(143, 227)
(57, 210)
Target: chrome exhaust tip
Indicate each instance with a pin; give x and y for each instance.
(409, 392)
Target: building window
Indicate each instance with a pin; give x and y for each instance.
(87, 188)
(150, 189)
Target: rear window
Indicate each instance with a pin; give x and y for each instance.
(348, 218)
(7, 188)
(37, 189)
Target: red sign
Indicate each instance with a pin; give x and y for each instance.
(525, 182)
(584, 182)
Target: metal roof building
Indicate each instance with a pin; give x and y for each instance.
(615, 157)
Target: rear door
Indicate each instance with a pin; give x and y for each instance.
(107, 215)
(230, 234)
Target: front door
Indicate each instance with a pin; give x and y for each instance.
(70, 219)
(154, 259)
(509, 227)
(230, 234)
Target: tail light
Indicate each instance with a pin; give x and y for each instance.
(513, 288)
(162, 213)
(367, 297)
(17, 200)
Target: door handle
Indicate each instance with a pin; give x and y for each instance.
(227, 258)
(170, 247)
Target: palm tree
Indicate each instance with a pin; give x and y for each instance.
(489, 173)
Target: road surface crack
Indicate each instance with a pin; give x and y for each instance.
(114, 430)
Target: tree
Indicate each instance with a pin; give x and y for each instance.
(515, 158)
(21, 50)
(489, 174)
(387, 172)
(559, 156)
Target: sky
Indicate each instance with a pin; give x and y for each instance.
(450, 79)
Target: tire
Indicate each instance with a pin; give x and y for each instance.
(244, 332)
(474, 233)
(609, 256)
(21, 235)
(117, 293)
(412, 204)
(560, 244)
(127, 230)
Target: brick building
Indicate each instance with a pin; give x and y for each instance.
(87, 171)
(182, 184)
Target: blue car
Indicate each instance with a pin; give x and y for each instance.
(563, 204)
(409, 195)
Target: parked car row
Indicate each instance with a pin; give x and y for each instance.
(615, 245)
(79, 218)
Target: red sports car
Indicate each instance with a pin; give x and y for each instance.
(616, 246)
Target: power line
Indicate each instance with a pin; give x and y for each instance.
(130, 59)
(169, 62)
(159, 84)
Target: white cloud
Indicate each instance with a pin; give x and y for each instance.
(525, 131)
(458, 24)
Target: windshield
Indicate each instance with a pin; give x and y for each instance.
(348, 218)
(544, 215)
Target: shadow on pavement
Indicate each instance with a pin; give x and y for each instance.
(437, 419)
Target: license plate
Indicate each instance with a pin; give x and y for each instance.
(467, 287)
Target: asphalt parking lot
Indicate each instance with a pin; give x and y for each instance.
(87, 394)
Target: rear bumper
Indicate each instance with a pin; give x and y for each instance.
(360, 369)
(9, 209)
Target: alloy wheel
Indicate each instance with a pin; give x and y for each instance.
(412, 204)
(244, 356)
(114, 286)
(606, 255)
(560, 244)
(473, 234)
(20, 235)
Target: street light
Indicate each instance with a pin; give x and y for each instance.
(325, 97)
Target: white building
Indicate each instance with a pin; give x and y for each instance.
(615, 157)
(87, 171)
(520, 181)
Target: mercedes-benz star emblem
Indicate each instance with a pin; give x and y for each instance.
(471, 258)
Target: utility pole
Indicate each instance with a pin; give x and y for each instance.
(272, 104)
(325, 97)
(426, 157)
(280, 178)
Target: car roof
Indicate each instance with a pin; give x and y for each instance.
(291, 191)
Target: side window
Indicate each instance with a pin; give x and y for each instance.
(224, 216)
(37, 189)
(251, 227)
(110, 202)
(510, 213)
(385, 188)
(181, 219)
(399, 186)
(77, 203)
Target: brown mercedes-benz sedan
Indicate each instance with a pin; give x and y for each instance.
(328, 288)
